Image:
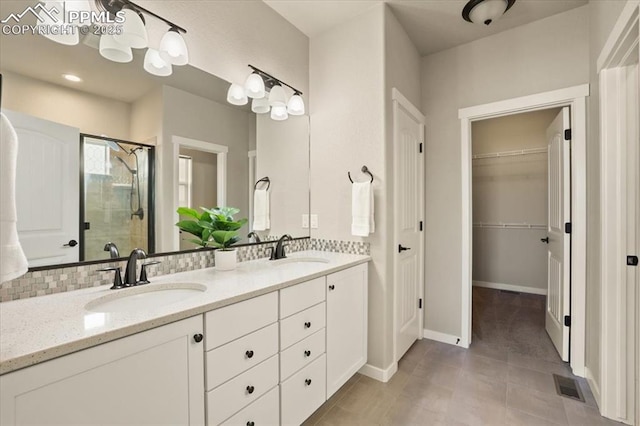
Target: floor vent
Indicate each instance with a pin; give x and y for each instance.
(568, 388)
(509, 292)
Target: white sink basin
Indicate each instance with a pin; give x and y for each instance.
(145, 297)
(288, 260)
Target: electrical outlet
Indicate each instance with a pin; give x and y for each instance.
(314, 221)
(305, 221)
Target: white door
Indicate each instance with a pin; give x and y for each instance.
(559, 215)
(47, 189)
(408, 213)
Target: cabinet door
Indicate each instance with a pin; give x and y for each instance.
(346, 325)
(152, 378)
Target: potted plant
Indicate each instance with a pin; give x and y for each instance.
(214, 228)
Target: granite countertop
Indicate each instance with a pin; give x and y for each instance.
(42, 328)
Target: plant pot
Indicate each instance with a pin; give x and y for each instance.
(225, 260)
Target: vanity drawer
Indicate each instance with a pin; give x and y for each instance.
(228, 361)
(302, 353)
(303, 392)
(302, 296)
(231, 397)
(301, 325)
(226, 324)
(265, 411)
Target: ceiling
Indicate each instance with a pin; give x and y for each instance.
(432, 25)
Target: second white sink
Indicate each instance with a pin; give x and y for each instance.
(145, 297)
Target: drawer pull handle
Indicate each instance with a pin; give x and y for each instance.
(198, 337)
(250, 389)
(307, 325)
(308, 382)
(332, 287)
(249, 354)
(250, 423)
(307, 353)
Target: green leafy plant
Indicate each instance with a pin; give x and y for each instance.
(213, 227)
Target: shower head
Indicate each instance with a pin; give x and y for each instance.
(133, 172)
(115, 146)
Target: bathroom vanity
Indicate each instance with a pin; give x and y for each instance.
(267, 343)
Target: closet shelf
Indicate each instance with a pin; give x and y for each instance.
(510, 226)
(518, 152)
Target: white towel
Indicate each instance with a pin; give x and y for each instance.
(261, 214)
(362, 209)
(13, 262)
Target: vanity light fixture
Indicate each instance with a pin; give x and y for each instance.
(173, 48)
(485, 11)
(155, 64)
(268, 95)
(134, 33)
(66, 34)
(114, 51)
(72, 77)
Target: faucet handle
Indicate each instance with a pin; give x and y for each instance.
(117, 280)
(143, 271)
(273, 252)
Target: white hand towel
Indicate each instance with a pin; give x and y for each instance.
(13, 262)
(261, 214)
(362, 209)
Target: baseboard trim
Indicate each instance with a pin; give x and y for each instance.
(443, 337)
(511, 287)
(378, 373)
(595, 389)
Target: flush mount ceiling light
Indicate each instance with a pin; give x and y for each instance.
(485, 11)
(72, 77)
(268, 94)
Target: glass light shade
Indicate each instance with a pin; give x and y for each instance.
(236, 95)
(67, 34)
(114, 51)
(154, 64)
(277, 97)
(254, 86)
(295, 106)
(80, 6)
(279, 113)
(488, 11)
(260, 106)
(173, 48)
(134, 33)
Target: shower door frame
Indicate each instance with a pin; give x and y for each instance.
(151, 214)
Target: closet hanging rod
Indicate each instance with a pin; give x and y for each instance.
(364, 169)
(264, 179)
(510, 226)
(518, 152)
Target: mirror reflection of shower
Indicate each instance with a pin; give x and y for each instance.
(117, 188)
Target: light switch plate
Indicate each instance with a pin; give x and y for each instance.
(314, 221)
(305, 221)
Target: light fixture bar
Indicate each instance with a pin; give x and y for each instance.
(270, 80)
(113, 6)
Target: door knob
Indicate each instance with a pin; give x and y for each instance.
(71, 243)
(545, 240)
(401, 249)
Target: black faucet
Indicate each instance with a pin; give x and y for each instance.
(256, 237)
(278, 252)
(112, 249)
(130, 272)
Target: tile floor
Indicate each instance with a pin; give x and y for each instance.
(505, 378)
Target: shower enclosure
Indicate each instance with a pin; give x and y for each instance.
(116, 179)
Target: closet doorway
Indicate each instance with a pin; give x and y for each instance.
(521, 261)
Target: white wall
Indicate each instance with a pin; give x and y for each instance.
(92, 114)
(602, 16)
(146, 117)
(548, 54)
(511, 190)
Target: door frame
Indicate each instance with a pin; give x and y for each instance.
(221, 152)
(400, 101)
(575, 98)
(619, 124)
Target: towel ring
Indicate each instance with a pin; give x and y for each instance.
(364, 169)
(264, 179)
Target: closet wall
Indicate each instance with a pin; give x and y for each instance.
(510, 201)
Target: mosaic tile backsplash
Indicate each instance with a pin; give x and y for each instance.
(50, 281)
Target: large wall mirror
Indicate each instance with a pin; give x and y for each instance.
(108, 159)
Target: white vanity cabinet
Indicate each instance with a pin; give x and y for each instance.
(150, 378)
(347, 309)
